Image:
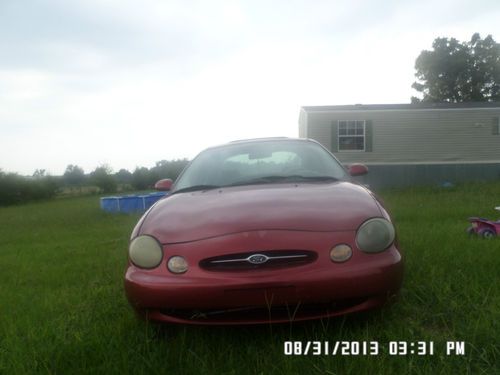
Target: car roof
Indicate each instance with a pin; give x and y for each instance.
(260, 140)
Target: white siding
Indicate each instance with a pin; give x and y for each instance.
(416, 136)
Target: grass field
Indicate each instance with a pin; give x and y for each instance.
(63, 310)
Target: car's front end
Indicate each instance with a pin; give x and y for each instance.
(287, 290)
(263, 253)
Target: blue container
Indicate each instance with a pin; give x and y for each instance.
(144, 203)
(159, 194)
(130, 203)
(152, 198)
(110, 204)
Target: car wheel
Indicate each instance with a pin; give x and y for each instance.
(471, 231)
(488, 234)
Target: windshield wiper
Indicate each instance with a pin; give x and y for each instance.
(195, 188)
(314, 178)
(281, 178)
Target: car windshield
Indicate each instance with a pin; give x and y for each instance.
(260, 162)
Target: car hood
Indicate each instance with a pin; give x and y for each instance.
(191, 216)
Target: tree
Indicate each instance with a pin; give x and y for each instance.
(74, 175)
(459, 71)
(39, 173)
(103, 179)
(123, 176)
(169, 168)
(140, 178)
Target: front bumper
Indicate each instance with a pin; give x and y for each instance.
(319, 289)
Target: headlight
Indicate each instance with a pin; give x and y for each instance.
(145, 252)
(375, 235)
(177, 264)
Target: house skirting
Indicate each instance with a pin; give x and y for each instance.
(438, 174)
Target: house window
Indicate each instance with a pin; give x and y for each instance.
(351, 135)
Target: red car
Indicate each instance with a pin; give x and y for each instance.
(259, 231)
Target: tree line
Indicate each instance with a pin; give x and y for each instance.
(15, 188)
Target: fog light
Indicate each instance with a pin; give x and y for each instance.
(177, 264)
(340, 253)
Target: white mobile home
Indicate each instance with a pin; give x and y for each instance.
(411, 144)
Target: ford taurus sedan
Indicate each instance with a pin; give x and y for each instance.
(259, 231)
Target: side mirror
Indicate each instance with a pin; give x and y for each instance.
(164, 185)
(357, 169)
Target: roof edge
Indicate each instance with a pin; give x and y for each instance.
(400, 106)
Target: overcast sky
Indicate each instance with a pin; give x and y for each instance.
(129, 83)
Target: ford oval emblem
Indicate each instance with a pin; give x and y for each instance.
(257, 259)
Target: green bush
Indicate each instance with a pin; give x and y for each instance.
(16, 189)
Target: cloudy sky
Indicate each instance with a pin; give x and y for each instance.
(128, 83)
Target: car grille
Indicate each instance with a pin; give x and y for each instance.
(259, 260)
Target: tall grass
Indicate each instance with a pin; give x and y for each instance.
(63, 310)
